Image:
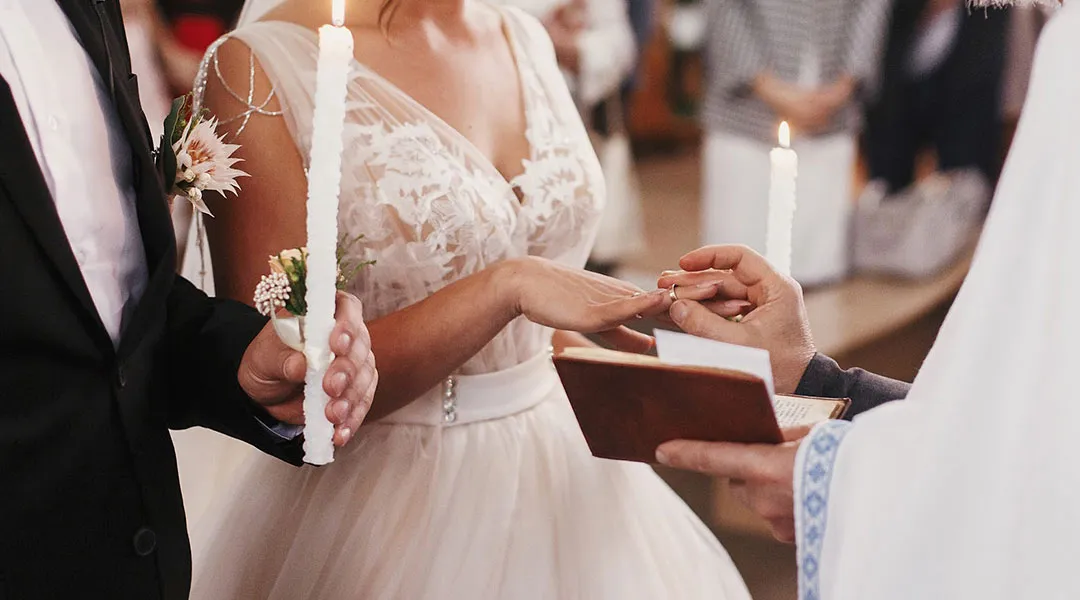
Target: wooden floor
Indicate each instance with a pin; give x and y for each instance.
(885, 325)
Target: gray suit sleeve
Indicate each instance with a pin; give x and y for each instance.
(825, 379)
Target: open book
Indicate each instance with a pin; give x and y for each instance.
(628, 404)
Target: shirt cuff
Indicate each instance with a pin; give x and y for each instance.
(286, 431)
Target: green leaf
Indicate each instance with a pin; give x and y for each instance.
(167, 156)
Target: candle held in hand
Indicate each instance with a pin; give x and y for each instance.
(324, 188)
(784, 169)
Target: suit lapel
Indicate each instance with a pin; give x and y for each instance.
(22, 179)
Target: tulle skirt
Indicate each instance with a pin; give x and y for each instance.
(488, 492)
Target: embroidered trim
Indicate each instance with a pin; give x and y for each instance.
(818, 455)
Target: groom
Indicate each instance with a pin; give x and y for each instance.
(104, 348)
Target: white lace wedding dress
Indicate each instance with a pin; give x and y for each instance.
(482, 488)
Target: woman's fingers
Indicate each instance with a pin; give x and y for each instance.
(628, 340)
(727, 286)
(729, 308)
(616, 312)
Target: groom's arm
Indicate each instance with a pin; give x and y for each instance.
(825, 379)
(204, 343)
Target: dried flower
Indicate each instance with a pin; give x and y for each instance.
(288, 272)
(272, 293)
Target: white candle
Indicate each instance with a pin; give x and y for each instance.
(324, 188)
(785, 164)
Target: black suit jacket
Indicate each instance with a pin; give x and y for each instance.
(90, 503)
(825, 379)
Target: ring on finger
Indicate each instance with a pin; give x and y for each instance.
(673, 294)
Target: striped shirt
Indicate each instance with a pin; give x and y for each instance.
(812, 42)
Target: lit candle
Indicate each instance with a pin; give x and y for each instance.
(324, 188)
(785, 164)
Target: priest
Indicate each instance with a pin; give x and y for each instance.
(968, 488)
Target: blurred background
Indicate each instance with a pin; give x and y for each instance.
(901, 113)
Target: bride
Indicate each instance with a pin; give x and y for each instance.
(471, 178)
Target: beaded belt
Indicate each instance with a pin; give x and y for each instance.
(465, 399)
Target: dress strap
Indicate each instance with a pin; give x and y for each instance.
(247, 99)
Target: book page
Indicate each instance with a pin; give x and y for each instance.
(791, 412)
(691, 351)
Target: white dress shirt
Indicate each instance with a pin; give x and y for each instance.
(80, 145)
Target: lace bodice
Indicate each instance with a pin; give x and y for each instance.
(431, 207)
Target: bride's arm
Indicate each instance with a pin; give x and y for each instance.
(422, 344)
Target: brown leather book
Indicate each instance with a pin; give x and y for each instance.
(628, 404)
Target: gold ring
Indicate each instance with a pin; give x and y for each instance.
(672, 294)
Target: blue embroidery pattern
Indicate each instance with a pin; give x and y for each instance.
(820, 453)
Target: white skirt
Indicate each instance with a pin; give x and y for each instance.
(505, 502)
(735, 200)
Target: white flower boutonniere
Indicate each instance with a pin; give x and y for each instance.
(194, 158)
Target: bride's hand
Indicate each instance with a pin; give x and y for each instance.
(561, 297)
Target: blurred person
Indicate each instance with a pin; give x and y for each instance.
(941, 90)
(190, 27)
(596, 50)
(811, 63)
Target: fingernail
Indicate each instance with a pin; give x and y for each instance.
(337, 383)
(346, 435)
(705, 286)
(344, 340)
(679, 311)
(661, 457)
(736, 304)
(294, 364)
(341, 410)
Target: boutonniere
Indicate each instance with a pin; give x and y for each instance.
(193, 158)
(286, 288)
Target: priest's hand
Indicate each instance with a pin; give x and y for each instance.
(771, 306)
(761, 475)
(272, 374)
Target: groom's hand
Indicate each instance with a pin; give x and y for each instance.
(775, 316)
(272, 374)
(761, 474)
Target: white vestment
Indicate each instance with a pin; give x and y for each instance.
(971, 487)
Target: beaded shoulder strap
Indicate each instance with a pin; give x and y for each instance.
(247, 99)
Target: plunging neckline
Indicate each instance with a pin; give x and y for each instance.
(519, 69)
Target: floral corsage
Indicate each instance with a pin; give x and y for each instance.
(193, 157)
(285, 288)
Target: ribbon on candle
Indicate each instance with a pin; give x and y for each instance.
(784, 169)
(324, 190)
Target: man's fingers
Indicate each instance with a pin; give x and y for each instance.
(294, 367)
(748, 266)
(720, 459)
(783, 530)
(695, 319)
(796, 433)
(728, 308)
(628, 340)
(727, 286)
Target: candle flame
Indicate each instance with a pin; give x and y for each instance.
(338, 13)
(785, 135)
